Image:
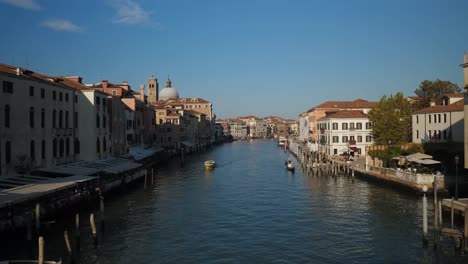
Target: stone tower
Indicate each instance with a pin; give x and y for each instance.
(153, 90)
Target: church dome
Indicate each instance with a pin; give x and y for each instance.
(168, 92)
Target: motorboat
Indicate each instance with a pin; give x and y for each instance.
(210, 164)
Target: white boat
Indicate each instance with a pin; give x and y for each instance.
(210, 164)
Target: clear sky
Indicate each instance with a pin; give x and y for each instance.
(269, 57)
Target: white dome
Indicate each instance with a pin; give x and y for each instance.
(168, 93)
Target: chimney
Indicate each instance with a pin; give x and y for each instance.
(125, 85)
(19, 71)
(142, 93)
(465, 70)
(432, 103)
(104, 86)
(76, 79)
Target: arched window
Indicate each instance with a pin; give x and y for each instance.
(67, 146)
(103, 121)
(98, 145)
(32, 150)
(97, 121)
(54, 118)
(8, 152)
(61, 147)
(43, 150)
(77, 146)
(54, 147)
(7, 116)
(42, 117)
(66, 119)
(60, 119)
(104, 145)
(31, 117)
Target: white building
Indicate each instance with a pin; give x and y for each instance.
(344, 131)
(303, 127)
(238, 129)
(439, 123)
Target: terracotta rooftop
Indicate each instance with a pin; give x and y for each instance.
(358, 103)
(345, 114)
(455, 95)
(455, 107)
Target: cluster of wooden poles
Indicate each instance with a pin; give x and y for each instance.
(318, 164)
(460, 237)
(68, 242)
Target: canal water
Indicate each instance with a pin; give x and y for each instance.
(250, 209)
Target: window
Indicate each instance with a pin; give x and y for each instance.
(445, 118)
(114, 93)
(61, 147)
(445, 134)
(54, 117)
(439, 135)
(351, 138)
(359, 138)
(351, 125)
(98, 100)
(76, 119)
(76, 98)
(98, 121)
(66, 97)
(345, 139)
(336, 139)
(439, 118)
(417, 134)
(42, 93)
(60, 96)
(67, 146)
(7, 116)
(7, 152)
(104, 122)
(430, 119)
(31, 117)
(66, 119)
(103, 101)
(77, 146)
(430, 133)
(98, 146)
(435, 118)
(104, 145)
(43, 149)
(31, 90)
(7, 87)
(368, 125)
(359, 126)
(42, 117)
(335, 151)
(54, 95)
(335, 126)
(54, 148)
(60, 119)
(32, 150)
(344, 126)
(417, 119)
(368, 139)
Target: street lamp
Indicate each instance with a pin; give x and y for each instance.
(457, 159)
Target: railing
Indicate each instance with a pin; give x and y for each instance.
(408, 176)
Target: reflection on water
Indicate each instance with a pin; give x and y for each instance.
(250, 209)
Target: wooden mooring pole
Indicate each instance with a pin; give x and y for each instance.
(40, 258)
(465, 229)
(93, 228)
(425, 235)
(101, 207)
(77, 232)
(146, 175)
(38, 218)
(152, 176)
(68, 243)
(436, 214)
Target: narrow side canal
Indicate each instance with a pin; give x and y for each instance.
(250, 209)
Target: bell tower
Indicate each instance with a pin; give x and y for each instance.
(153, 90)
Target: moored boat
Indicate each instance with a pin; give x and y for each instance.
(210, 164)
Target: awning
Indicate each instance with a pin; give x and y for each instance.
(187, 143)
(139, 153)
(427, 161)
(418, 156)
(353, 148)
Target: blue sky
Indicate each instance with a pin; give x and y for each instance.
(269, 57)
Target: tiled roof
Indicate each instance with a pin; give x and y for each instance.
(455, 95)
(455, 107)
(415, 98)
(358, 103)
(345, 114)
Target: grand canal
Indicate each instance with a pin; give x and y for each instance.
(251, 210)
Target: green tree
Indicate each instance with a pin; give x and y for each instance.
(434, 90)
(391, 120)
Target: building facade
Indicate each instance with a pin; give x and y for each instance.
(343, 132)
